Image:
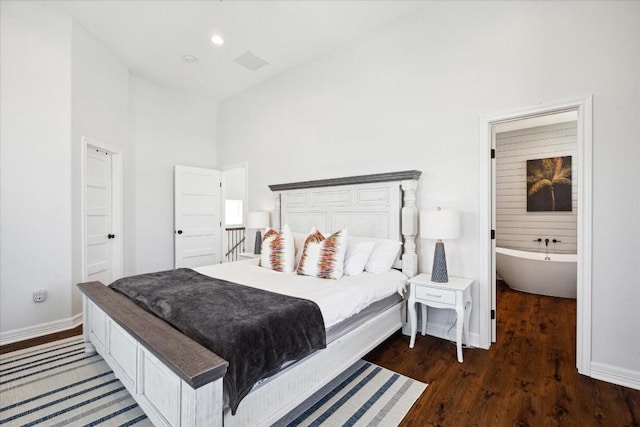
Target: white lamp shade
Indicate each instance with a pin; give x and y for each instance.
(440, 224)
(257, 220)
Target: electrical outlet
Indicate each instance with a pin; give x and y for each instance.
(39, 295)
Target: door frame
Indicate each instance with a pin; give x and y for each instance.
(116, 205)
(583, 106)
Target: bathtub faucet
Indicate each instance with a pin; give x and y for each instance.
(546, 242)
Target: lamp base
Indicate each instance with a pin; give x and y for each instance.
(257, 246)
(439, 269)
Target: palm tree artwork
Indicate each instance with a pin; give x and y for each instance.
(549, 184)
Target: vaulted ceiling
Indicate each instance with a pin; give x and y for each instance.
(153, 37)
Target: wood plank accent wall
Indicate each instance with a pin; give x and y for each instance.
(515, 227)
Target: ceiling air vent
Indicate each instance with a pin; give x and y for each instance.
(250, 61)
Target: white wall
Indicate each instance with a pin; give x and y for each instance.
(168, 128)
(59, 83)
(515, 227)
(410, 95)
(234, 181)
(35, 173)
(100, 110)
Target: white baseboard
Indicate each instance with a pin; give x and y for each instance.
(615, 375)
(39, 330)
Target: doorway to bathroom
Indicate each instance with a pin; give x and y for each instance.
(536, 188)
(511, 125)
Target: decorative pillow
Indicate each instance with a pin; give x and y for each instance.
(323, 256)
(278, 250)
(356, 256)
(383, 256)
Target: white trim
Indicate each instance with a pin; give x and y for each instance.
(494, 305)
(116, 207)
(484, 226)
(27, 333)
(583, 105)
(585, 233)
(615, 375)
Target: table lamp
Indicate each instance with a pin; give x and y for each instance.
(258, 220)
(439, 224)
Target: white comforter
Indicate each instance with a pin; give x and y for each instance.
(337, 299)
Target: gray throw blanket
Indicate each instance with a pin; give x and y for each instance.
(255, 331)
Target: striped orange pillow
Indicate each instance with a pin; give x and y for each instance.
(278, 250)
(323, 256)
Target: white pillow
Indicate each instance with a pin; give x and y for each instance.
(323, 256)
(299, 239)
(278, 250)
(358, 252)
(384, 254)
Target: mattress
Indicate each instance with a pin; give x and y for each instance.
(338, 300)
(371, 311)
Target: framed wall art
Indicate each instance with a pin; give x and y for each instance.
(549, 184)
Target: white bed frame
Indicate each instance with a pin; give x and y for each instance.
(177, 382)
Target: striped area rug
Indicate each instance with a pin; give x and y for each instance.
(363, 395)
(58, 384)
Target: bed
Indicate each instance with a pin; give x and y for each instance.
(177, 381)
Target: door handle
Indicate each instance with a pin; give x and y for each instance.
(179, 232)
(111, 236)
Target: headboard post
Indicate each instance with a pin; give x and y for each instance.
(409, 227)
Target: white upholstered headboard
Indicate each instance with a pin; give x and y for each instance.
(379, 205)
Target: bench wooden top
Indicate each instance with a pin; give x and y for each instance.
(191, 361)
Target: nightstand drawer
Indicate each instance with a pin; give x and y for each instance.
(443, 296)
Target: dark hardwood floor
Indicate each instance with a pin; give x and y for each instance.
(527, 378)
(7, 348)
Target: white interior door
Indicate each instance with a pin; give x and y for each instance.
(100, 235)
(197, 216)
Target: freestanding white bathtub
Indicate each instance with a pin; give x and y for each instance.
(555, 275)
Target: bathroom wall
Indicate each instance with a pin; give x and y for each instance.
(517, 228)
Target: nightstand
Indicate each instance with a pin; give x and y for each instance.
(248, 255)
(455, 294)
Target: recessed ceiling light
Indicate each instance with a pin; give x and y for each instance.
(189, 58)
(217, 40)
